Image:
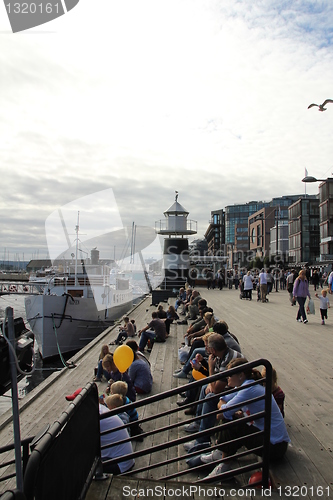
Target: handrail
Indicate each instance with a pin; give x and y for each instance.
(44, 446)
(25, 456)
(266, 415)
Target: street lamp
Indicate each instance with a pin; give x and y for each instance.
(309, 178)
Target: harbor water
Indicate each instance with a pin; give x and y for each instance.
(42, 370)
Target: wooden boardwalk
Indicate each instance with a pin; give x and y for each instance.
(300, 353)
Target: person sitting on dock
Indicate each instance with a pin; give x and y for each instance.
(155, 331)
(194, 333)
(171, 317)
(117, 401)
(199, 362)
(231, 340)
(220, 356)
(197, 324)
(117, 450)
(196, 308)
(279, 437)
(134, 346)
(121, 388)
(209, 320)
(161, 313)
(198, 342)
(125, 331)
(114, 375)
(192, 305)
(189, 291)
(100, 372)
(199, 347)
(277, 392)
(139, 371)
(181, 298)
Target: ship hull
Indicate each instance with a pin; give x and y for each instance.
(64, 324)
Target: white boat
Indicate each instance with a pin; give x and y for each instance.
(75, 307)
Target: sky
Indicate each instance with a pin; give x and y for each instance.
(147, 97)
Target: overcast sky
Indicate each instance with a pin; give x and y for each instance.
(145, 97)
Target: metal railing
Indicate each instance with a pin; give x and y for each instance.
(7, 464)
(77, 429)
(166, 443)
(61, 461)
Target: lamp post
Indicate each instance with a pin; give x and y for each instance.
(309, 178)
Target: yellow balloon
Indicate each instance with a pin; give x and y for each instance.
(123, 357)
(197, 375)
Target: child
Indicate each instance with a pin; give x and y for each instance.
(100, 371)
(120, 388)
(134, 325)
(116, 401)
(324, 304)
(277, 392)
(125, 331)
(112, 374)
(112, 438)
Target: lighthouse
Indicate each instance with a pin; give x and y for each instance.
(177, 227)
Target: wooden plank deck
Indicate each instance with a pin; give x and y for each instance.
(300, 353)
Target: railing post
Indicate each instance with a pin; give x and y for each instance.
(16, 417)
(267, 425)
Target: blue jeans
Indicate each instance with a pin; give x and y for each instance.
(145, 336)
(301, 309)
(205, 408)
(100, 370)
(188, 367)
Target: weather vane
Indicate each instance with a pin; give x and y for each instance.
(176, 199)
(321, 106)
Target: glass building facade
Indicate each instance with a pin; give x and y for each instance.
(304, 231)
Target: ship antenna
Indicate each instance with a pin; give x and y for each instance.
(77, 245)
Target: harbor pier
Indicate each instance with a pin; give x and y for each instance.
(301, 354)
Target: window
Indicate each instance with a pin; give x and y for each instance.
(253, 235)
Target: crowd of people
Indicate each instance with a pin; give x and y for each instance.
(123, 387)
(211, 349)
(208, 348)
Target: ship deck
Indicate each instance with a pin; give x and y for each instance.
(302, 355)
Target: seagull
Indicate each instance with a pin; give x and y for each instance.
(321, 106)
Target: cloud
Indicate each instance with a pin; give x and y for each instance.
(207, 98)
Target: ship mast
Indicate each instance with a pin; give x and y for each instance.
(77, 245)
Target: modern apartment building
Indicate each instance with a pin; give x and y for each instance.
(215, 234)
(259, 225)
(304, 230)
(326, 219)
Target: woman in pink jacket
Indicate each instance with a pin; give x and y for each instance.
(301, 292)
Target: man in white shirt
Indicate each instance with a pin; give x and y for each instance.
(263, 285)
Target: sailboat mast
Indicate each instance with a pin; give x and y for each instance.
(132, 244)
(77, 245)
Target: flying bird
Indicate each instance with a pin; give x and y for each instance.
(321, 106)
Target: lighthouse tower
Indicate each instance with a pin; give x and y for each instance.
(176, 227)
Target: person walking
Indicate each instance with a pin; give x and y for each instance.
(248, 285)
(290, 287)
(324, 304)
(301, 292)
(263, 285)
